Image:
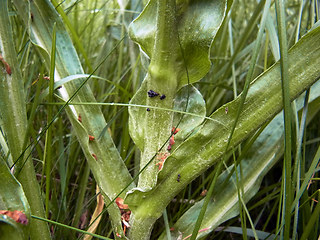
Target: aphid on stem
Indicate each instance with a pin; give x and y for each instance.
(162, 97)
(152, 93)
(95, 156)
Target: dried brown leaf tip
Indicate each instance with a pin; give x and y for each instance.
(121, 205)
(91, 138)
(16, 215)
(161, 157)
(204, 193)
(125, 213)
(6, 65)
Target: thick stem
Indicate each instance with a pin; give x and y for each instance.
(161, 78)
(13, 111)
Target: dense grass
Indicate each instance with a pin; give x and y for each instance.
(99, 29)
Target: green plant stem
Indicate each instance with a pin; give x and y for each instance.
(13, 110)
(161, 78)
(287, 113)
(48, 142)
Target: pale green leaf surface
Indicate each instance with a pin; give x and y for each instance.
(191, 97)
(197, 24)
(207, 145)
(9, 229)
(195, 104)
(263, 154)
(12, 198)
(137, 117)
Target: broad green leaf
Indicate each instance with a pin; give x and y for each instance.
(12, 198)
(190, 100)
(197, 22)
(9, 229)
(262, 156)
(264, 153)
(207, 145)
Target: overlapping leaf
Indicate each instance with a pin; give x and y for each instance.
(197, 24)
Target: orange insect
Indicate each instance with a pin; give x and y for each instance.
(91, 138)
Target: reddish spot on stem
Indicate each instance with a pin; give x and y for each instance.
(95, 156)
(91, 138)
(162, 158)
(6, 65)
(204, 193)
(175, 130)
(125, 213)
(79, 118)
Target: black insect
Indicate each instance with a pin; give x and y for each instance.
(162, 97)
(178, 178)
(152, 93)
(148, 109)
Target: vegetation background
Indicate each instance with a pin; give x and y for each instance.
(99, 33)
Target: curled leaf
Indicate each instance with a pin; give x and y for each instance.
(197, 24)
